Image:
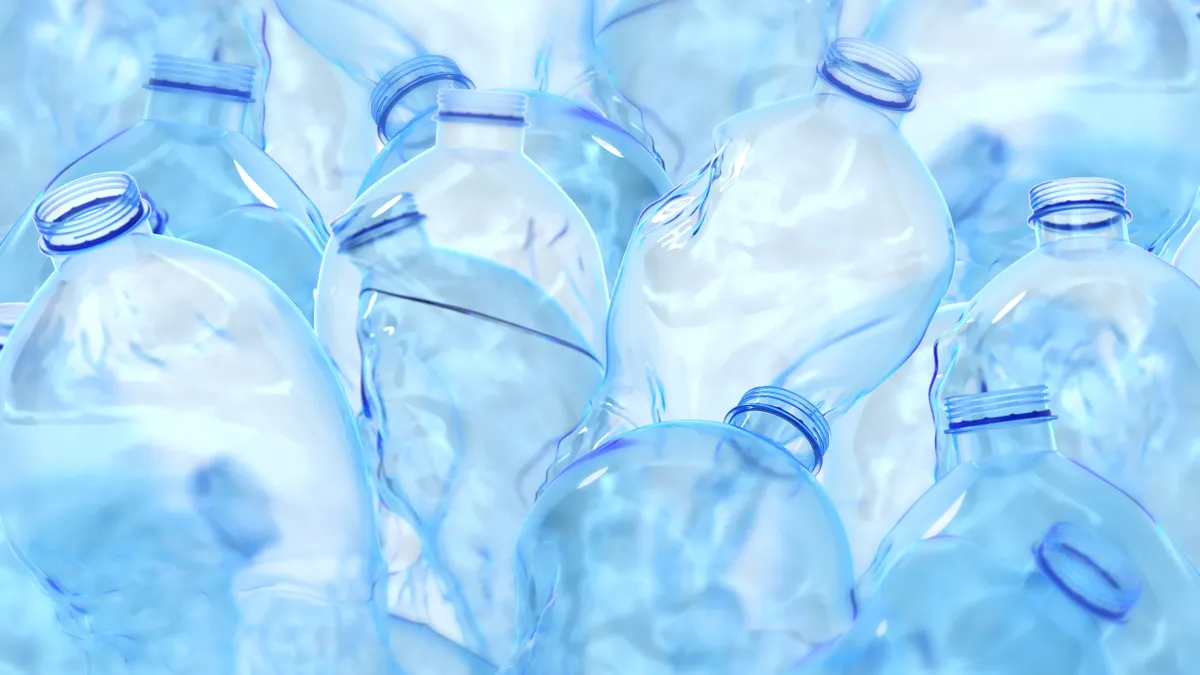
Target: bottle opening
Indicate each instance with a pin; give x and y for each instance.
(972, 412)
(489, 107)
(369, 222)
(413, 85)
(89, 211)
(871, 73)
(200, 76)
(783, 416)
(1089, 569)
(1078, 204)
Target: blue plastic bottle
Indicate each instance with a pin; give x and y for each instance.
(1113, 332)
(1010, 486)
(182, 471)
(1017, 93)
(947, 606)
(484, 198)
(471, 373)
(881, 454)
(810, 254)
(609, 175)
(696, 547)
(208, 181)
(690, 64)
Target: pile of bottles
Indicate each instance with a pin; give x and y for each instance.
(591, 337)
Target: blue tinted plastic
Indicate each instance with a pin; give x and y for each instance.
(1018, 93)
(684, 547)
(763, 268)
(881, 454)
(171, 399)
(470, 375)
(208, 181)
(948, 606)
(689, 64)
(1111, 330)
(1010, 487)
(605, 171)
(484, 198)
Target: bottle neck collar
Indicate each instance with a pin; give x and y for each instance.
(175, 106)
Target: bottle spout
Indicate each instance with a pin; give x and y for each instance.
(1079, 207)
(90, 211)
(872, 74)
(787, 419)
(1090, 570)
(409, 91)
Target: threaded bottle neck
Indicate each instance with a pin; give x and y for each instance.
(203, 77)
(90, 211)
(1089, 569)
(870, 73)
(1079, 207)
(787, 419)
(410, 91)
(1000, 423)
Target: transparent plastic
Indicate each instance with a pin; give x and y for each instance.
(609, 175)
(690, 64)
(1019, 92)
(1011, 487)
(1111, 330)
(684, 547)
(881, 454)
(470, 375)
(181, 470)
(208, 181)
(809, 254)
(948, 606)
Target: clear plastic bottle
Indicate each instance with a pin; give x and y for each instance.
(1017, 92)
(609, 175)
(471, 373)
(809, 254)
(1113, 332)
(209, 182)
(1011, 486)
(690, 64)
(948, 606)
(692, 546)
(182, 471)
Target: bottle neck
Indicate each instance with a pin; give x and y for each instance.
(852, 108)
(1003, 440)
(1081, 224)
(480, 135)
(786, 419)
(196, 109)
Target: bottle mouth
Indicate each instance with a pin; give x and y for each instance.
(486, 107)
(1078, 204)
(89, 211)
(401, 84)
(1089, 569)
(972, 412)
(780, 415)
(369, 222)
(871, 73)
(201, 76)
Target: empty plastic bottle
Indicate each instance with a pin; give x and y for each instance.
(882, 454)
(208, 181)
(485, 198)
(690, 64)
(810, 254)
(692, 546)
(1113, 332)
(609, 175)
(1018, 92)
(471, 373)
(181, 470)
(1010, 486)
(947, 607)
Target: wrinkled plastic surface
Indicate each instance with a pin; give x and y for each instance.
(680, 547)
(809, 254)
(182, 471)
(212, 185)
(470, 375)
(1016, 93)
(882, 453)
(605, 171)
(690, 64)
(1112, 331)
